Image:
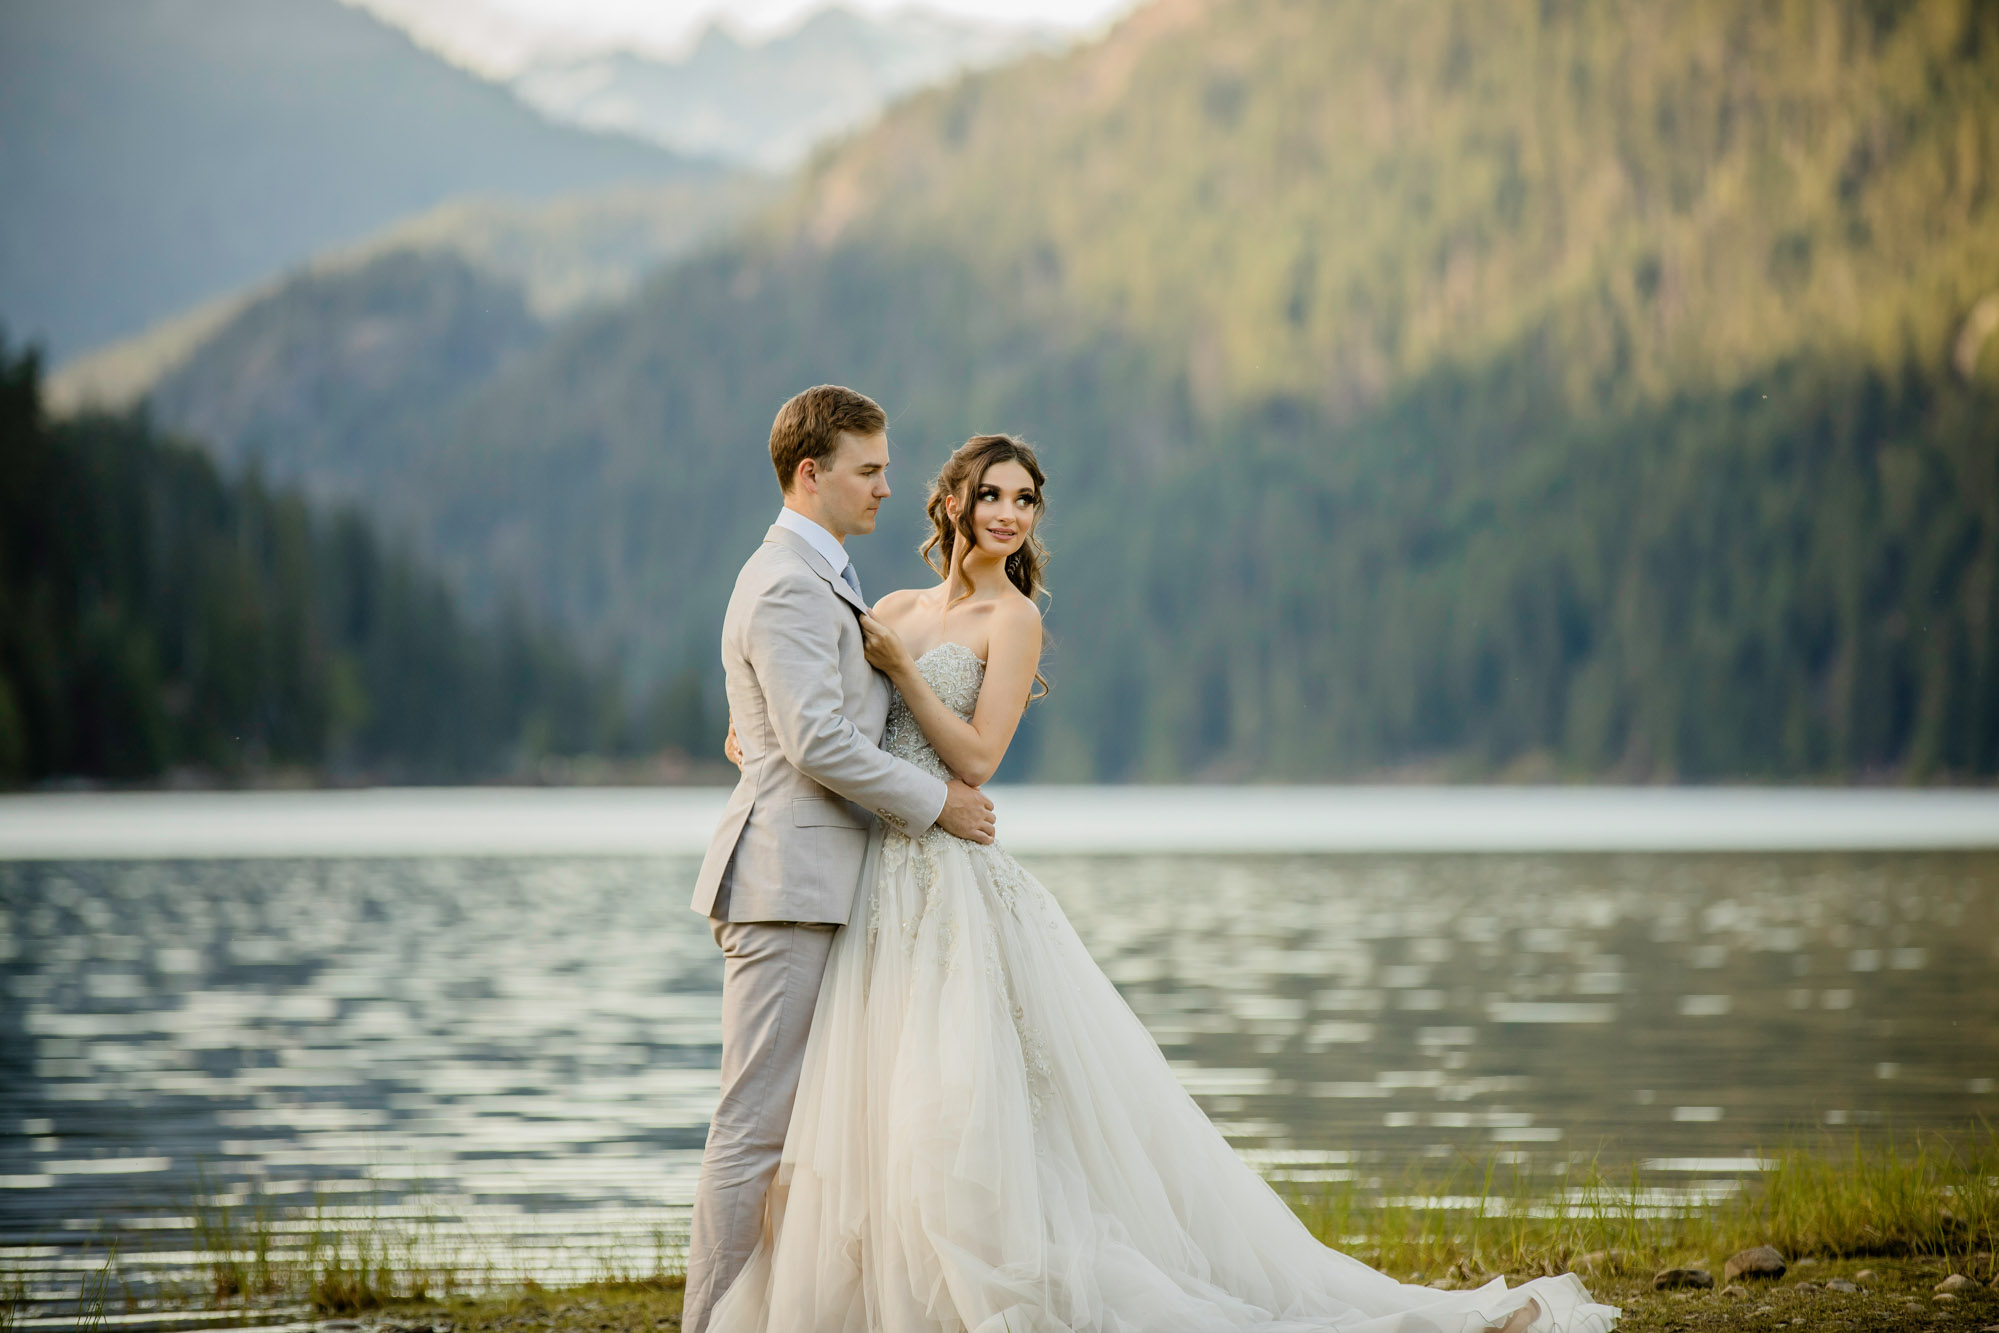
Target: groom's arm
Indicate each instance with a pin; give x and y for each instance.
(796, 657)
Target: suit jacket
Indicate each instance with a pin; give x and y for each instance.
(809, 712)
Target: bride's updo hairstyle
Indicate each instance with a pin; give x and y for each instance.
(960, 477)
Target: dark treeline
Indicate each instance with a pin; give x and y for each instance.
(156, 615)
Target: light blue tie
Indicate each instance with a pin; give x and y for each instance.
(853, 579)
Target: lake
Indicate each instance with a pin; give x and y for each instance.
(334, 999)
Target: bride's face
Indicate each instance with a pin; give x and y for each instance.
(1004, 508)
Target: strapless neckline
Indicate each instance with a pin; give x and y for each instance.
(950, 643)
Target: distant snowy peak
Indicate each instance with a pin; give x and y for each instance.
(767, 102)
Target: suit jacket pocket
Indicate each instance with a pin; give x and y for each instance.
(815, 812)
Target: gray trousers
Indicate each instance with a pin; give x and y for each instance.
(770, 983)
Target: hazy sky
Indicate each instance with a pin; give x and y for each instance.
(498, 36)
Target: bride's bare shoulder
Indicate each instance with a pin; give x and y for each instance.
(1017, 615)
(890, 606)
(1020, 607)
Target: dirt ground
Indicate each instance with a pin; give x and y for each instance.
(1895, 1294)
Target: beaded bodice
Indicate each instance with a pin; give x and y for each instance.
(955, 673)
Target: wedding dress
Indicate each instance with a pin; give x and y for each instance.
(986, 1138)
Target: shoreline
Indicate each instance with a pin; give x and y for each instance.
(1813, 1294)
(1035, 820)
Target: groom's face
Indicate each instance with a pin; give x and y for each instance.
(853, 483)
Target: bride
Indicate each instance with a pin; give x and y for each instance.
(985, 1137)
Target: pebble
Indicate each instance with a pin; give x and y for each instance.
(1598, 1259)
(1955, 1282)
(1682, 1277)
(1840, 1284)
(1944, 1298)
(1760, 1261)
(1864, 1275)
(1736, 1292)
(1806, 1286)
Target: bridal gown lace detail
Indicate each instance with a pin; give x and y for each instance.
(985, 1139)
(954, 673)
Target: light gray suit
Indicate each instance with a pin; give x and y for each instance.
(784, 867)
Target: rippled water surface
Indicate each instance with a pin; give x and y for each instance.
(523, 1051)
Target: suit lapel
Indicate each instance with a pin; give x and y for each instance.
(791, 541)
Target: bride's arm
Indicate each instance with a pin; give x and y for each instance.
(973, 749)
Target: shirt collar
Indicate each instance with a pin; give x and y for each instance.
(822, 541)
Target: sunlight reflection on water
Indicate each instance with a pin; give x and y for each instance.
(524, 1050)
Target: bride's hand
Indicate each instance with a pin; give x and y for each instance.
(884, 648)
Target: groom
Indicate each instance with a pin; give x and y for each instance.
(784, 866)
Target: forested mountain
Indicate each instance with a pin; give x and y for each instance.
(155, 616)
(155, 153)
(1321, 200)
(336, 374)
(1459, 388)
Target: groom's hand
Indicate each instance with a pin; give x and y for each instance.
(967, 813)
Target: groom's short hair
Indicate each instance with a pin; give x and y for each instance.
(809, 426)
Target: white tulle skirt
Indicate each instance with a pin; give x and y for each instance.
(987, 1138)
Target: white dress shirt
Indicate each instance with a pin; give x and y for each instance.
(822, 541)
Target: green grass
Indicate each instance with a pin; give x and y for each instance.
(96, 1288)
(13, 1300)
(1934, 1197)
(254, 1248)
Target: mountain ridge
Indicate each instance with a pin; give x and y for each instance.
(243, 136)
(564, 255)
(767, 103)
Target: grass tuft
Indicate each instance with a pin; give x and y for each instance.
(13, 1299)
(253, 1249)
(92, 1297)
